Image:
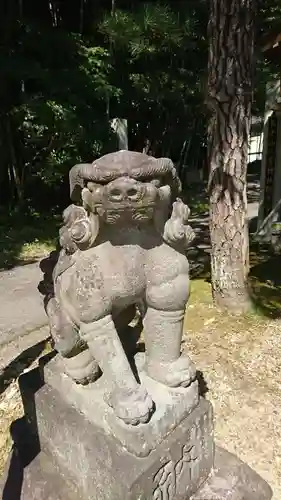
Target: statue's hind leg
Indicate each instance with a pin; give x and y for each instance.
(78, 361)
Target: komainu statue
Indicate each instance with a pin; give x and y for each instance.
(123, 246)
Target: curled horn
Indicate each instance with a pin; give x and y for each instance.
(77, 176)
(172, 177)
(83, 172)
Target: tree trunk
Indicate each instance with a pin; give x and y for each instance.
(81, 17)
(231, 34)
(15, 173)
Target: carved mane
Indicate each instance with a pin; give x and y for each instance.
(139, 166)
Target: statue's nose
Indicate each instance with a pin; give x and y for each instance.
(121, 190)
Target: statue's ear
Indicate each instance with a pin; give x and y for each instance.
(95, 226)
(165, 193)
(86, 198)
(77, 176)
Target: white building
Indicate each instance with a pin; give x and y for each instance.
(270, 182)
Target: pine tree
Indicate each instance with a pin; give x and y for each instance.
(231, 47)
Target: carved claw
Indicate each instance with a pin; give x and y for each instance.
(175, 233)
(82, 367)
(176, 230)
(179, 373)
(189, 235)
(134, 407)
(180, 211)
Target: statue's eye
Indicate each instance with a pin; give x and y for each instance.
(156, 182)
(92, 186)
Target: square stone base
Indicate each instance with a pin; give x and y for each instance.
(172, 406)
(66, 453)
(230, 479)
(89, 450)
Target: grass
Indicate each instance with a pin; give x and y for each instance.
(265, 280)
(197, 200)
(202, 312)
(26, 238)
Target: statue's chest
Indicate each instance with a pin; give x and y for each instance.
(122, 270)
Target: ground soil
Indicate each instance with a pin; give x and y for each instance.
(239, 361)
(241, 374)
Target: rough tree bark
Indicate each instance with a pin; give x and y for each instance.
(231, 36)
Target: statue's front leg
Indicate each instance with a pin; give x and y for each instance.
(129, 399)
(167, 295)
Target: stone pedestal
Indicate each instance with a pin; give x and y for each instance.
(107, 459)
(87, 453)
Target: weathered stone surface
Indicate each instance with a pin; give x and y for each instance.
(39, 480)
(45, 478)
(232, 479)
(31, 475)
(123, 247)
(80, 457)
(89, 455)
(171, 407)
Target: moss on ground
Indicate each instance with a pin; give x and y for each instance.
(24, 239)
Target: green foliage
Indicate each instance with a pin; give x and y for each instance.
(162, 57)
(268, 16)
(65, 71)
(57, 115)
(24, 238)
(146, 31)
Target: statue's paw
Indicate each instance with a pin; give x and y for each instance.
(189, 235)
(133, 407)
(82, 367)
(174, 231)
(179, 373)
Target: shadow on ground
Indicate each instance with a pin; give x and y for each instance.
(23, 453)
(20, 364)
(198, 253)
(253, 187)
(265, 266)
(26, 444)
(265, 280)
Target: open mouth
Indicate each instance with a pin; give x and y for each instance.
(130, 214)
(130, 207)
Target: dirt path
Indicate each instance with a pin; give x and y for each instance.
(21, 306)
(244, 387)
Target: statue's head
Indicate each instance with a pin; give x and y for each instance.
(124, 186)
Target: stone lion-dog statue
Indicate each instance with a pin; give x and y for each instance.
(123, 245)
